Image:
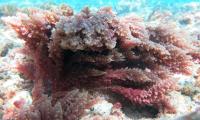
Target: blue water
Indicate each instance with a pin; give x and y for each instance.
(120, 6)
(77, 4)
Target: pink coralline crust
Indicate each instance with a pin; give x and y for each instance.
(91, 50)
(69, 106)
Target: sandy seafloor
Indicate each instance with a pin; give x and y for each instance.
(186, 100)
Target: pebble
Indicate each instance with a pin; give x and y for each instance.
(4, 48)
(196, 98)
(1, 101)
(101, 108)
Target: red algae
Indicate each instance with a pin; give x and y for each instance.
(91, 50)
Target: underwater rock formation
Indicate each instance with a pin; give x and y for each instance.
(100, 51)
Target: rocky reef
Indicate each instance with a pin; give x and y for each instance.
(99, 52)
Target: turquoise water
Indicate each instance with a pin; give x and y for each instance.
(118, 5)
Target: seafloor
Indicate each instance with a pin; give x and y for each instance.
(14, 86)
